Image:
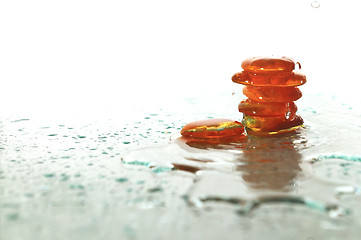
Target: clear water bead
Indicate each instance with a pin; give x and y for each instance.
(315, 4)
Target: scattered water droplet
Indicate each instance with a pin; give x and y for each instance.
(121, 180)
(288, 111)
(64, 177)
(77, 186)
(29, 195)
(139, 163)
(155, 189)
(12, 216)
(49, 175)
(140, 182)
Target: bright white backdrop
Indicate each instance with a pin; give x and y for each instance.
(78, 56)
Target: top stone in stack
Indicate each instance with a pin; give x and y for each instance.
(269, 71)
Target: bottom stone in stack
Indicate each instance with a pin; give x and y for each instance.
(271, 125)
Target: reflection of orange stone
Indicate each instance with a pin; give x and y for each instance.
(213, 129)
(271, 90)
(254, 108)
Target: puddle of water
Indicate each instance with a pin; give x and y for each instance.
(311, 167)
(310, 179)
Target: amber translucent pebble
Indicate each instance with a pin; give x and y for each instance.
(268, 64)
(254, 108)
(271, 125)
(272, 94)
(213, 128)
(288, 79)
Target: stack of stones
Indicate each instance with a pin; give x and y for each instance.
(271, 88)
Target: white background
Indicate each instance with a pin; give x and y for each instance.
(78, 56)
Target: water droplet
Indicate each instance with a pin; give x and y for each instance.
(29, 195)
(139, 163)
(140, 182)
(315, 4)
(121, 180)
(77, 186)
(49, 175)
(155, 189)
(288, 111)
(12, 217)
(64, 177)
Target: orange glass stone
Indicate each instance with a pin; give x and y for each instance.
(213, 129)
(254, 108)
(271, 125)
(268, 64)
(287, 79)
(272, 94)
(271, 88)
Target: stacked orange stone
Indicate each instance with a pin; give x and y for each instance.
(271, 88)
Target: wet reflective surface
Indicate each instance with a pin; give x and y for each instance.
(137, 178)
